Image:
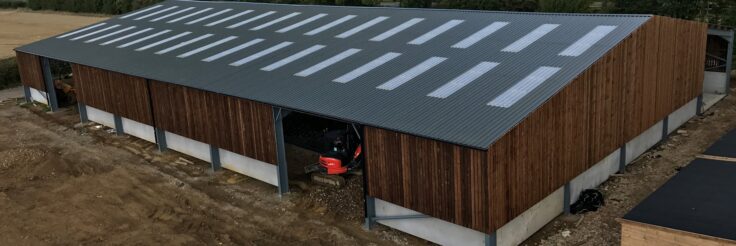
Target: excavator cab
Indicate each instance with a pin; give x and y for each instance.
(342, 153)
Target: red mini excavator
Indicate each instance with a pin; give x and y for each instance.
(342, 155)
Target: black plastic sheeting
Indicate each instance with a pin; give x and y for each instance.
(724, 147)
(700, 199)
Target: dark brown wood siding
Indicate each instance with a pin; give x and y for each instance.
(113, 92)
(30, 70)
(238, 125)
(656, 70)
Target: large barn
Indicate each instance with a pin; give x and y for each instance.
(478, 127)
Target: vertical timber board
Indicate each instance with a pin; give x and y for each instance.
(29, 67)
(113, 92)
(238, 125)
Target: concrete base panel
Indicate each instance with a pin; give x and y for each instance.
(431, 229)
(140, 130)
(715, 82)
(39, 96)
(710, 99)
(101, 117)
(682, 115)
(188, 146)
(643, 142)
(249, 167)
(595, 176)
(533, 219)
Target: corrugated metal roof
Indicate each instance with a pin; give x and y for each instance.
(465, 77)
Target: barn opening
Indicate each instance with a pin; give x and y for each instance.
(63, 81)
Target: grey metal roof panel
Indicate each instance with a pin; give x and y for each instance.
(464, 117)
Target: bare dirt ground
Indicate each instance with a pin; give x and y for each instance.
(624, 191)
(19, 27)
(67, 184)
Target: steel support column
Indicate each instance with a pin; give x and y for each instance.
(215, 158)
(622, 159)
(370, 212)
(160, 139)
(491, 239)
(118, 125)
(283, 173)
(27, 94)
(729, 62)
(665, 127)
(48, 81)
(699, 107)
(566, 199)
(82, 112)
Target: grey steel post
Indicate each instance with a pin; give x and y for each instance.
(566, 199)
(491, 239)
(622, 159)
(48, 80)
(118, 125)
(665, 127)
(82, 112)
(283, 173)
(699, 107)
(27, 94)
(160, 139)
(215, 157)
(370, 212)
(729, 62)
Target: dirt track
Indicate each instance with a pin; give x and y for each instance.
(65, 185)
(19, 27)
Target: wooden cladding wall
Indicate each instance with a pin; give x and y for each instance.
(656, 70)
(117, 93)
(238, 125)
(30, 70)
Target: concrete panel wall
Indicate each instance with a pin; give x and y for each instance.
(714, 82)
(99, 116)
(188, 146)
(529, 222)
(139, 130)
(682, 115)
(595, 176)
(249, 167)
(431, 229)
(39, 96)
(643, 142)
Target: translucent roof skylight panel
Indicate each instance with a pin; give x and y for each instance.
(362, 27)
(206, 17)
(397, 29)
(480, 35)
(412, 73)
(110, 34)
(82, 30)
(261, 54)
(229, 18)
(182, 44)
(141, 11)
(171, 14)
(509, 97)
(464, 79)
(144, 38)
(252, 19)
(189, 15)
(233, 50)
(367, 67)
(530, 38)
(301, 23)
(206, 47)
(157, 12)
(293, 58)
(273, 22)
(330, 25)
(436, 32)
(126, 36)
(95, 32)
(326, 63)
(587, 41)
(166, 40)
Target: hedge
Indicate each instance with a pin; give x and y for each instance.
(9, 76)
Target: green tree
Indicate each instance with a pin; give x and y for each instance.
(564, 6)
